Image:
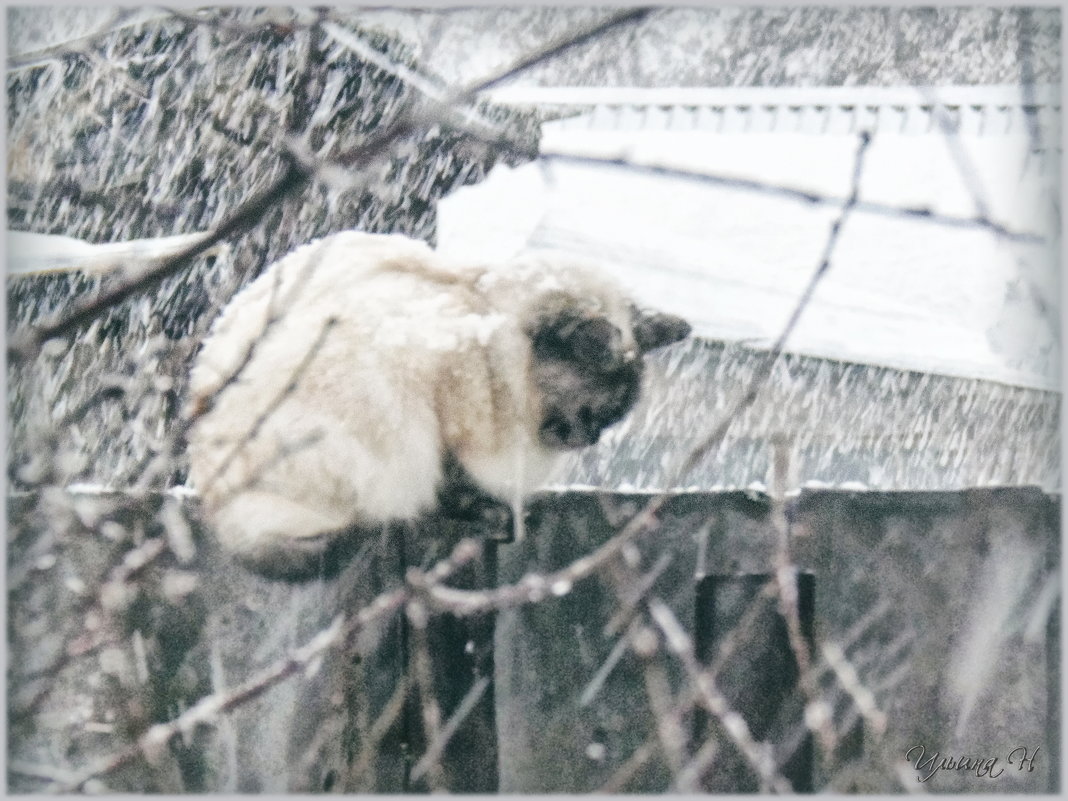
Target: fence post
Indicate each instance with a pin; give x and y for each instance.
(738, 623)
(461, 655)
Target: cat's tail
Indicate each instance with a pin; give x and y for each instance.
(283, 539)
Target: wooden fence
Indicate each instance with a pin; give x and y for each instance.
(929, 618)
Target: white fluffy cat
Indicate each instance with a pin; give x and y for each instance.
(358, 377)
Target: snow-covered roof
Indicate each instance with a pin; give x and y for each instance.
(932, 292)
(845, 425)
(978, 110)
(929, 354)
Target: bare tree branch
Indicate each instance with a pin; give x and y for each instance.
(369, 744)
(437, 744)
(757, 755)
(25, 345)
(430, 712)
(292, 179)
(981, 220)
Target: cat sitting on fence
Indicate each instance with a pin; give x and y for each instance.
(364, 378)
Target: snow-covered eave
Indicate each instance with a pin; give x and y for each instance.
(973, 303)
(913, 110)
(958, 372)
(872, 96)
(757, 490)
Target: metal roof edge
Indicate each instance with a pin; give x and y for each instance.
(999, 95)
(1016, 379)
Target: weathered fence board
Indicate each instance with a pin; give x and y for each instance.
(934, 599)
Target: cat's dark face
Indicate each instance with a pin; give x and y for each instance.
(586, 378)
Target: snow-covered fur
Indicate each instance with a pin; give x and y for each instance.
(331, 389)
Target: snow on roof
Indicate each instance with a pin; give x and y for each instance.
(903, 291)
(844, 424)
(816, 109)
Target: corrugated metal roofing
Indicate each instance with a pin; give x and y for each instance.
(976, 110)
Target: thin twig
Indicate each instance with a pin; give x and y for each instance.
(863, 698)
(667, 720)
(385, 720)
(533, 587)
(279, 398)
(950, 128)
(688, 777)
(596, 683)
(756, 754)
(117, 21)
(43, 772)
(456, 719)
(25, 345)
(556, 47)
(1025, 52)
(428, 700)
(625, 772)
(763, 372)
(787, 586)
(791, 193)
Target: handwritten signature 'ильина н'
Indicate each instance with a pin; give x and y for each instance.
(983, 767)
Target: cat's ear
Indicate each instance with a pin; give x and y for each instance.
(654, 330)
